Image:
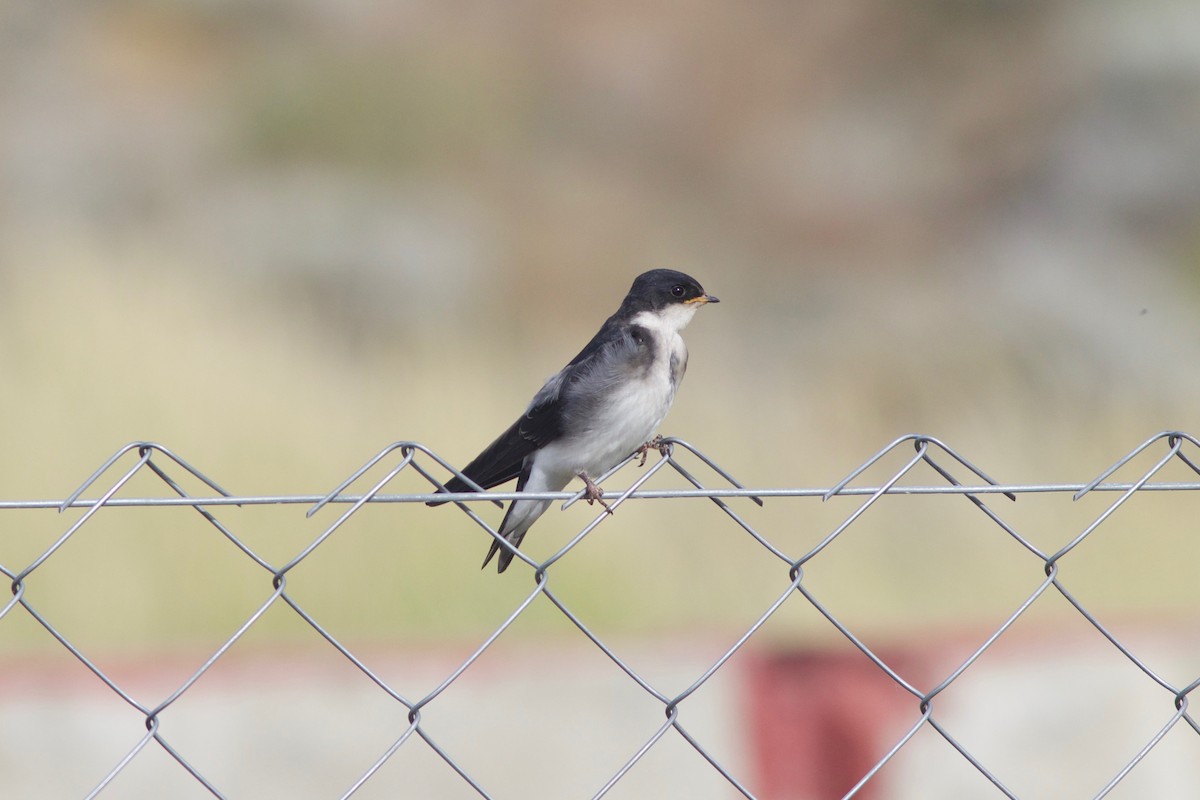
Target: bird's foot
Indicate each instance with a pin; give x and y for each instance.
(593, 493)
(656, 443)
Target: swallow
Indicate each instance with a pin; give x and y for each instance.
(596, 411)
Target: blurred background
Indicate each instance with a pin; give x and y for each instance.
(276, 236)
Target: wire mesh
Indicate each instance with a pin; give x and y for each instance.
(956, 479)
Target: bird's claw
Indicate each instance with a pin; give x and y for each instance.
(593, 493)
(656, 443)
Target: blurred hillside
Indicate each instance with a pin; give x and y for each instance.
(276, 236)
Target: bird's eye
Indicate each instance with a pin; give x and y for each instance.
(678, 290)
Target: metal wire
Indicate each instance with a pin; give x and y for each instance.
(961, 476)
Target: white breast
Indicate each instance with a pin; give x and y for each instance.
(633, 411)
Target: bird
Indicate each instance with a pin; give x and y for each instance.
(602, 407)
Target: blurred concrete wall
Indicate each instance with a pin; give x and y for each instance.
(1050, 717)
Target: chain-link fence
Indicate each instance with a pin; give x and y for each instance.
(423, 721)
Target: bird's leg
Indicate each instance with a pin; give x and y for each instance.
(593, 493)
(656, 443)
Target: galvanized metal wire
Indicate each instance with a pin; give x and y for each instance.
(368, 484)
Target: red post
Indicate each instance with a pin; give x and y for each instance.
(818, 720)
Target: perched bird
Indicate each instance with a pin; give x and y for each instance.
(601, 407)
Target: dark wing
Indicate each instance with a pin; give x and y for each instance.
(542, 423)
(501, 461)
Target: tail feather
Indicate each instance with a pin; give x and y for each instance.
(519, 516)
(491, 553)
(514, 537)
(506, 555)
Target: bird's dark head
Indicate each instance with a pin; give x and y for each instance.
(661, 288)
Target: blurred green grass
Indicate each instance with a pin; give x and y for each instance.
(265, 404)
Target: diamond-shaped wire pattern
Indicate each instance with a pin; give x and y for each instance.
(417, 721)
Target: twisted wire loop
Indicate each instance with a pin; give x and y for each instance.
(953, 476)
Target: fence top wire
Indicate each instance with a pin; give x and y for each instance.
(644, 494)
(1175, 440)
(942, 459)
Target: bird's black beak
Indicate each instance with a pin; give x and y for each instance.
(704, 299)
(711, 298)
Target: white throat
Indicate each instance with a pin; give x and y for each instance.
(669, 319)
